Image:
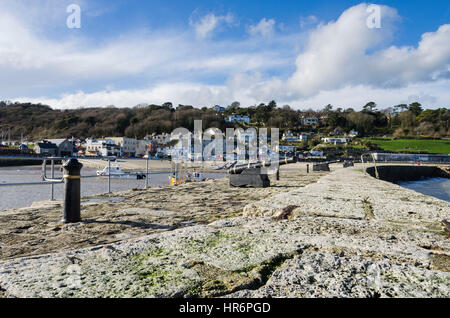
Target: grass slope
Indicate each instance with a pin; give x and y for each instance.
(414, 145)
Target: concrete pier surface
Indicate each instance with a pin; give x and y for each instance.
(347, 235)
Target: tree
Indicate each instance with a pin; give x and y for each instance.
(233, 108)
(370, 106)
(235, 105)
(399, 108)
(167, 105)
(416, 108)
(272, 105)
(407, 119)
(363, 122)
(425, 129)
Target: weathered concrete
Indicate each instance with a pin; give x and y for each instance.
(349, 235)
(112, 217)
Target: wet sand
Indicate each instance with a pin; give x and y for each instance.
(140, 164)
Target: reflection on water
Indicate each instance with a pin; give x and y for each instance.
(23, 196)
(436, 187)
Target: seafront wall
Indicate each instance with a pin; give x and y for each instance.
(19, 162)
(396, 173)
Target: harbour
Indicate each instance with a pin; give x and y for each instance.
(23, 196)
(223, 151)
(199, 239)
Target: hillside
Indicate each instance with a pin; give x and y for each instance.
(36, 121)
(39, 121)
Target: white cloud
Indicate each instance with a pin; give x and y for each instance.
(431, 95)
(265, 28)
(347, 52)
(248, 87)
(342, 62)
(30, 62)
(308, 21)
(251, 89)
(209, 23)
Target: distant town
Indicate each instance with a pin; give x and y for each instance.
(119, 132)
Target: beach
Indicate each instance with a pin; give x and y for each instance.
(140, 164)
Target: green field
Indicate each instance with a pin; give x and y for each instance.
(413, 145)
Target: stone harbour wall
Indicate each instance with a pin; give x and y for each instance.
(348, 235)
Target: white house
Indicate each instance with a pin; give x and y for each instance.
(219, 109)
(290, 137)
(161, 139)
(335, 141)
(128, 146)
(238, 119)
(310, 121)
(102, 147)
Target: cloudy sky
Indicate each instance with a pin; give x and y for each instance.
(204, 53)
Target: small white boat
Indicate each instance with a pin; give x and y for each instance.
(197, 177)
(116, 172)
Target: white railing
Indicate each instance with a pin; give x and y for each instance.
(50, 180)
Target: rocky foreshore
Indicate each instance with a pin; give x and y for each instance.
(348, 235)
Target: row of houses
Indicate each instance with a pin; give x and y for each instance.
(305, 121)
(309, 121)
(110, 146)
(55, 147)
(289, 136)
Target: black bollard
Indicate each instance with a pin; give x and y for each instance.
(278, 174)
(72, 179)
(307, 168)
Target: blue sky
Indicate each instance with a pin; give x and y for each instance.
(302, 53)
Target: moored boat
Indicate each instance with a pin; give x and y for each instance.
(117, 172)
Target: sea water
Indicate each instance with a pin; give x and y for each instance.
(23, 196)
(436, 187)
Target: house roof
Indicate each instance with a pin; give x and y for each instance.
(57, 141)
(47, 145)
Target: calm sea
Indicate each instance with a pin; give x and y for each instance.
(23, 196)
(436, 187)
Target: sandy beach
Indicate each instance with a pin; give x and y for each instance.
(140, 165)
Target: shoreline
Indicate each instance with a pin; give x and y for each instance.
(140, 165)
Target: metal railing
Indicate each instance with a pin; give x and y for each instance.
(374, 163)
(415, 161)
(52, 181)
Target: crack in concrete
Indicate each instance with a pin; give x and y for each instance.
(368, 209)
